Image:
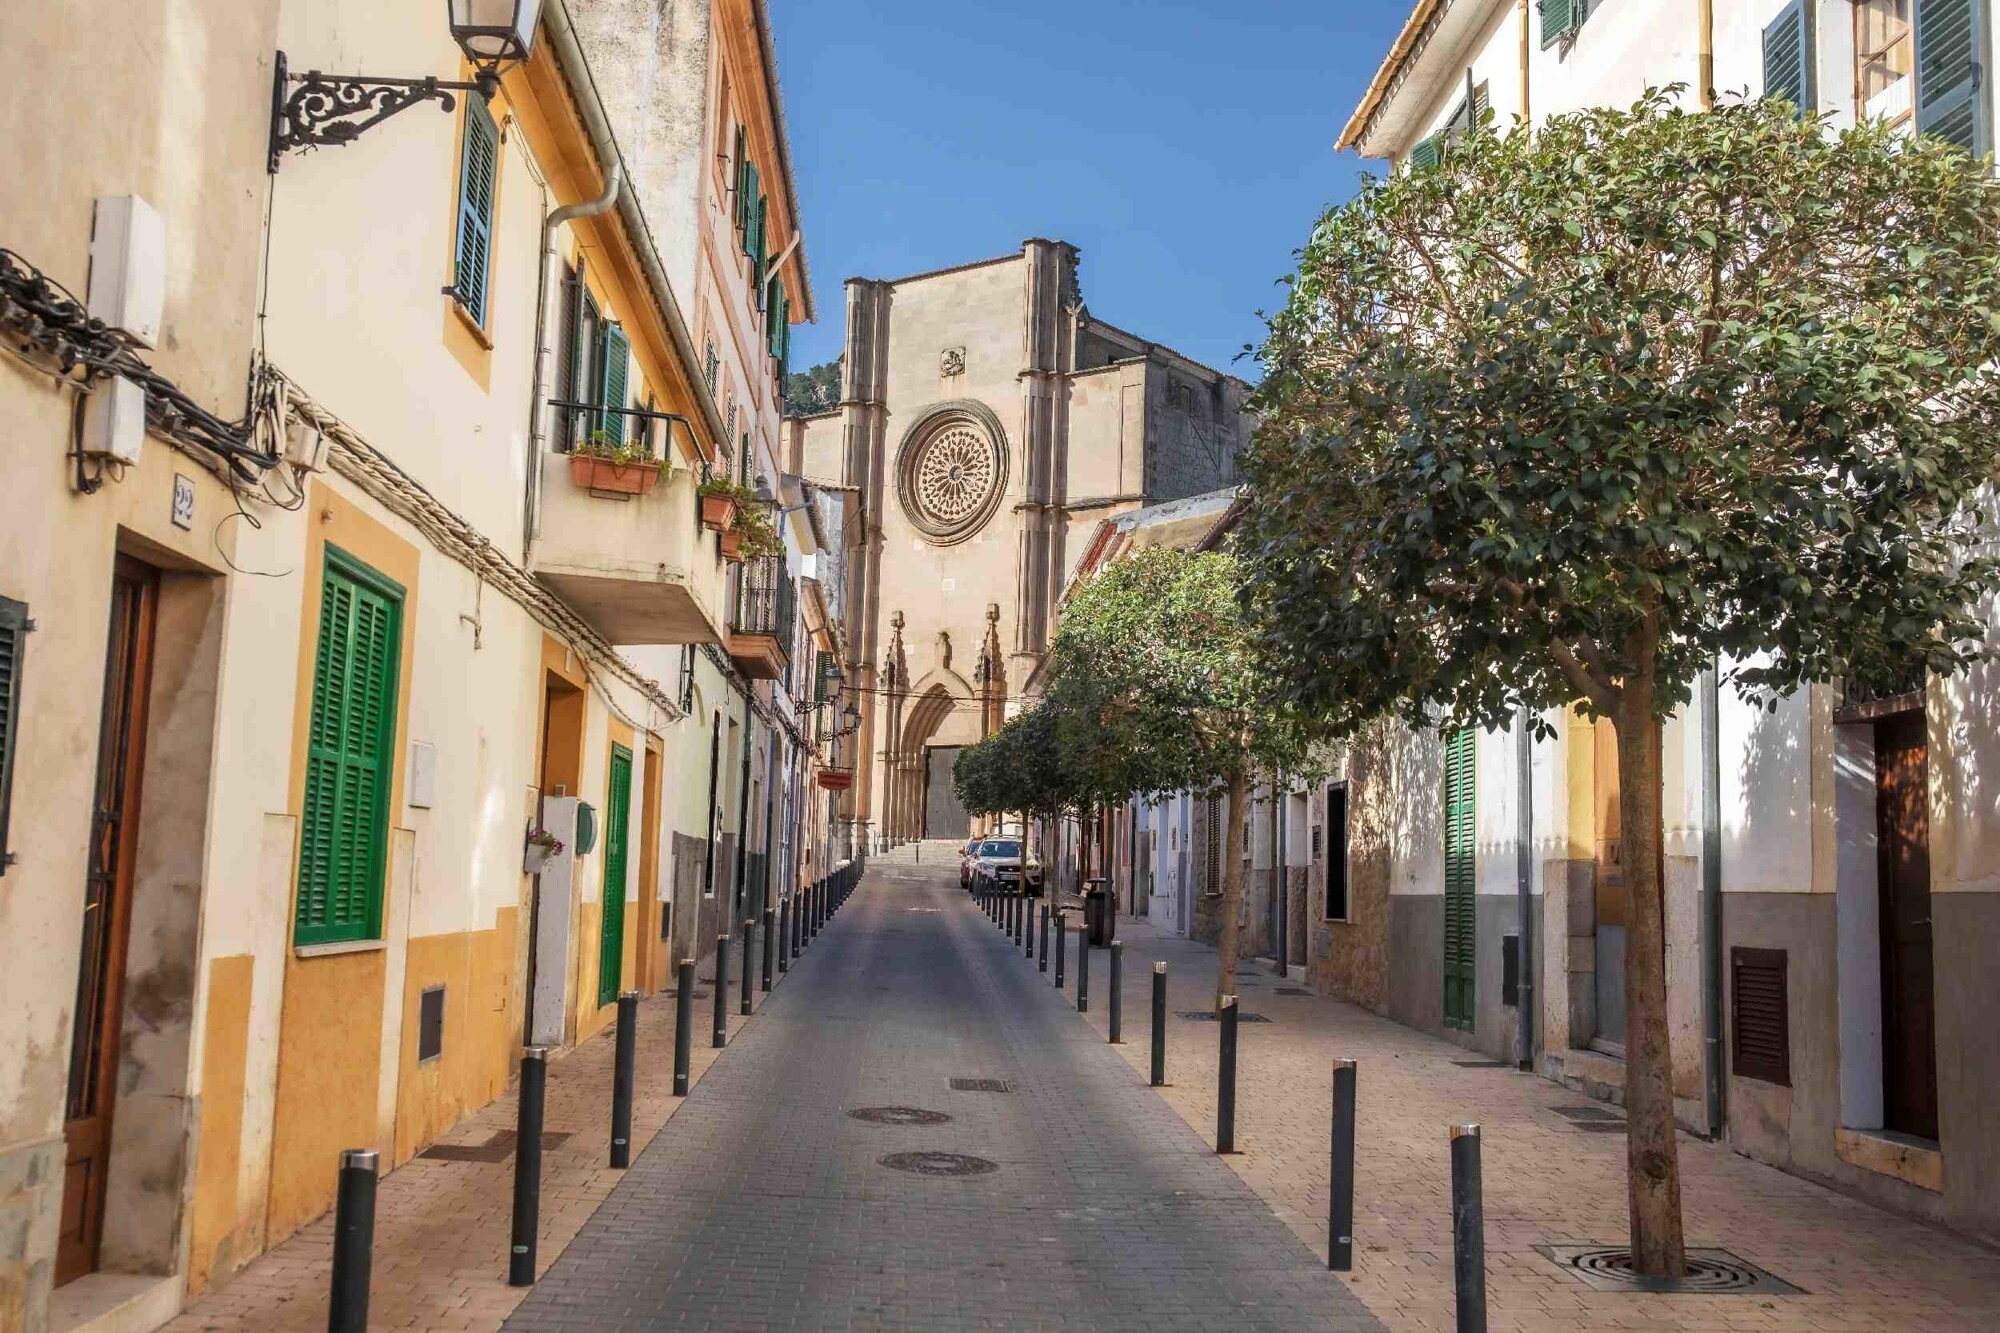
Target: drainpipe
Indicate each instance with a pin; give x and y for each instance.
(743, 808)
(614, 179)
(1704, 21)
(1524, 894)
(1711, 903)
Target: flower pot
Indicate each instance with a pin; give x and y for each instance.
(732, 545)
(717, 512)
(534, 857)
(601, 474)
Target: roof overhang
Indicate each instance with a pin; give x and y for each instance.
(1429, 49)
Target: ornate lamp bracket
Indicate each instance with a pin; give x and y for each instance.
(314, 110)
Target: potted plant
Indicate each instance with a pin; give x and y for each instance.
(721, 499)
(731, 543)
(541, 845)
(605, 463)
(759, 534)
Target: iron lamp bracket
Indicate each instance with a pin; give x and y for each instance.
(315, 110)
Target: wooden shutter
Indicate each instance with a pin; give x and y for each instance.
(1425, 154)
(1212, 830)
(1948, 72)
(611, 942)
(740, 177)
(1559, 19)
(567, 358)
(478, 166)
(614, 390)
(749, 206)
(343, 828)
(760, 253)
(14, 629)
(1788, 58)
(1460, 833)
(1760, 1020)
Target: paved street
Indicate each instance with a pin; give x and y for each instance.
(765, 1204)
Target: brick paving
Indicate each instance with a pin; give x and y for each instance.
(1545, 1182)
(765, 1206)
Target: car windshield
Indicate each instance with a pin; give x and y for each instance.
(1000, 847)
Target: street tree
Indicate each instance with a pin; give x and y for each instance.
(1167, 695)
(1578, 413)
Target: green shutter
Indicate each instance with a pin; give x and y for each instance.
(742, 177)
(614, 390)
(1559, 19)
(1788, 58)
(748, 204)
(343, 827)
(478, 167)
(1460, 839)
(774, 339)
(13, 645)
(611, 943)
(1425, 154)
(760, 252)
(1948, 72)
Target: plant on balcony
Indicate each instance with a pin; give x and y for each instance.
(759, 533)
(721, 501)
(603, 462)
(731, 543)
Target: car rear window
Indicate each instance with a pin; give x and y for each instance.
(996, 847)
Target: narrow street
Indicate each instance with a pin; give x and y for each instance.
(766, 1204)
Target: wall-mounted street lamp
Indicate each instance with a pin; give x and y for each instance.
(314, 110)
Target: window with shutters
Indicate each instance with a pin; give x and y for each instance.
(343, 827)
(1336, 851)
(1211, 830)
(1760, 1021)
(14, 630)
(1788, 71)
(1460, 863)
(1425, 154)
(1884, 58)
(479, 167)
(611, 936)
(614, 386)
(1949, 37)
(1561, 19)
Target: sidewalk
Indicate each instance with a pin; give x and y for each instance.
(1545, 1181)
(442, 1227)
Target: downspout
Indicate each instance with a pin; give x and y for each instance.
(743, 808)
(1524, 897)
(614, 179)
(1714, 1107)
(1704, 19)
(1281, 872)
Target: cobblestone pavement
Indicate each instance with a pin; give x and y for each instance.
(766, 1206)
(1546, 1183)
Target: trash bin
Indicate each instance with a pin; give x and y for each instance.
(1097, 913)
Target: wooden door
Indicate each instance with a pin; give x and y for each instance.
(107, 915)
(1903, 851)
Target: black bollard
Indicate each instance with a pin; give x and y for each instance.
(721, 1036)
(1159, 1025)
(624, 1054)
(1083, 966)
(1117, 975)
(770, 945)
(784, 938)
(1021, 906)
(749, 964)
(1062, 946)
(353, 1242)
(528, 1168)
(1225, 1078)
(1340, 1202)
(1468, 1230)
(1042, 963)
(1029, 932)
(683, 1025)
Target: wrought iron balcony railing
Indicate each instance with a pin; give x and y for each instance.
(766, 601)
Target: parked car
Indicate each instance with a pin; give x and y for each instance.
(1002, 865)
(967, 860)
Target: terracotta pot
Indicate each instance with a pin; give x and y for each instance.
(601, 474)
(718, 512)
(732, 545)
(836, 779)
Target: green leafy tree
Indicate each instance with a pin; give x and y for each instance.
(1570, 416)
(1167, 695)
(813, 390)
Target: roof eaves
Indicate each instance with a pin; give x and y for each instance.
(761, 10)
(1408, 42)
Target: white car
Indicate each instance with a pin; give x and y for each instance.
(967, 859)
(1000, 865)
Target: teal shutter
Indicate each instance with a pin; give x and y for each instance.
(478, 169)
(13, 644)
(761, 251)
(343, 828)
(1425, 154)
(774, 339)
(1460, 840)
(1788, 58)
(748, 204)
(611, 940)
(1948, 72)
(1559, 19)
(614, 389)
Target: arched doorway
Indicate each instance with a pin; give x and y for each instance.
(942, 720)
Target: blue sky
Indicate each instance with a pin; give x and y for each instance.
(1185, 147)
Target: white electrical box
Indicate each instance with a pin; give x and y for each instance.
(305, 446)
(423, 775)
(114, 420)
(128, 267)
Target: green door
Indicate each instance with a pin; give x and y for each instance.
(1460, 946)
(611, 948)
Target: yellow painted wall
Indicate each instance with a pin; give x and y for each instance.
(220, 1234)
(482, 1028)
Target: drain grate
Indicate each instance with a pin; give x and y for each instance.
(1598, 1126)
(898, 1115)
(498, 1148)
(1208, 1016)
(1480, 1064)
(981, 1085)
(937, 1164)
(1587, 1113)
(1709, 1272)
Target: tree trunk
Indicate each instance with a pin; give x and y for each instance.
(1653, 1179)
(1232, 888)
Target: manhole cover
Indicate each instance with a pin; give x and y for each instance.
(981, 1085)
(1709, 1272)
(1208, 1016)
(937, 1164)
(898, 1115)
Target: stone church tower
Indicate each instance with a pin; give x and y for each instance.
(987, 423)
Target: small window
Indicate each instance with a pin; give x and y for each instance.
(1884, 56)
(1948, 37)
(1561, 19)
(479, 167)
(14, 630)
(430, 1024)
(1336, 851)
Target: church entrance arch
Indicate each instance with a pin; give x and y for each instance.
(942, 720)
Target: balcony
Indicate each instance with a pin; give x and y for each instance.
(627, 552)
(760, 633)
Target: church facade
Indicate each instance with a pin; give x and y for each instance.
(987, 423)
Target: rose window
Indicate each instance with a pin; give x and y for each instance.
(951, 473)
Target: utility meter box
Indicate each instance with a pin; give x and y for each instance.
(114, 420)
(128, 267)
